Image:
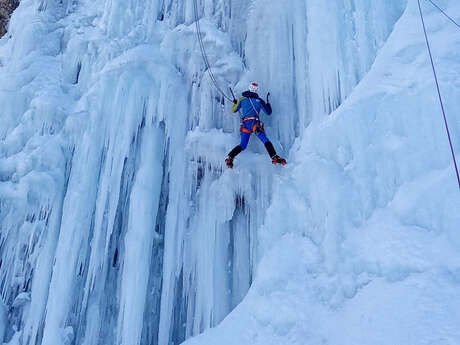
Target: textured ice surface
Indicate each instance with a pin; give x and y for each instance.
(120, 224)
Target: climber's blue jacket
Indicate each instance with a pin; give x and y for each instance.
(251, 104)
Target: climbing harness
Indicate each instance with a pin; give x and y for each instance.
(437, 84)
(251, 118)
(205, 56)
(257, 127)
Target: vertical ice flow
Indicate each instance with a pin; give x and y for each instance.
(119, 223)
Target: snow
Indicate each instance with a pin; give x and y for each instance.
(120, 223)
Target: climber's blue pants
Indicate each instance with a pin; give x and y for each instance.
(249, 126)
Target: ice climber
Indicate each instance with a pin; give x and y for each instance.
(251, 105)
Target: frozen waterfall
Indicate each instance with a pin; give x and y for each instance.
(121, 224)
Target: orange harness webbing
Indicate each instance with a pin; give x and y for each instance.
(254, 127)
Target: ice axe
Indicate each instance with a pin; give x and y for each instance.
(233, 95)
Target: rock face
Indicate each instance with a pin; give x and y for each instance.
(6, 8)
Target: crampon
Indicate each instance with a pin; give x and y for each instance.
(278, 160)
(229, 162)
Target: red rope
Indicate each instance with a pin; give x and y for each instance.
(439, 93)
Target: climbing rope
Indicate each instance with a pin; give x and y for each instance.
(444, 13)
(204, 55)
(439, 92)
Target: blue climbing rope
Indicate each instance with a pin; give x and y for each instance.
(444, 13)
(438, 90)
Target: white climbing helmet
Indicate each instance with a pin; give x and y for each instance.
(254, 87)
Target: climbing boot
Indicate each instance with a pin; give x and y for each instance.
(232, 154)
(278, 160)
(229, 162)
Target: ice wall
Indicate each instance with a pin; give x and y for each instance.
(360, 244)
(119, 222)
